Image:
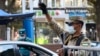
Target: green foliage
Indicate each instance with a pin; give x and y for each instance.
(46, 31)
(92, 1)
(16, 23)
(96, 6)
(92, 10)
(10, 6)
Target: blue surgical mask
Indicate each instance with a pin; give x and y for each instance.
(70, 30)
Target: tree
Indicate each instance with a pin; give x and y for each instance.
(8, 5)
(96, 5)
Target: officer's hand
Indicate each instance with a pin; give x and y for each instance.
(42, 6)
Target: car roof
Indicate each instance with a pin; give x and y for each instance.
(20, 42)
(26, 43)
(17, 42)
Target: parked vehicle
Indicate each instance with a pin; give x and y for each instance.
(12, 48)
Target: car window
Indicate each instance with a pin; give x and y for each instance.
(27, 50)
(6, 50)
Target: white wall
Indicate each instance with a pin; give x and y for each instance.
(35, 3)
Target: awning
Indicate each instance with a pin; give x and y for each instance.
(6, 17)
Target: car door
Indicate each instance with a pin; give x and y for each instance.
(27, 50)
(7, 50)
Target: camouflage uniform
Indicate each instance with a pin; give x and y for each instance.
(67, 38)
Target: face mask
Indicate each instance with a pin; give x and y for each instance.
(70, 30)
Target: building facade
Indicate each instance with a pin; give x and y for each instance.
(60, 10)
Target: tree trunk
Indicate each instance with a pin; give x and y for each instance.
(97, 7)
(2, 4)
(10, 7)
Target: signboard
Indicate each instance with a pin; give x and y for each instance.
(76, 11)
(73, 14)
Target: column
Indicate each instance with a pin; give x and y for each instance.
(28, 24)
(55, 3)
(62, 3)
(85, 2)
(23, 5)
(8, 34)
(74, 2)
(30, 5)
(49, 3)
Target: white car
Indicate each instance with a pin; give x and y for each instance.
(12, 48)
